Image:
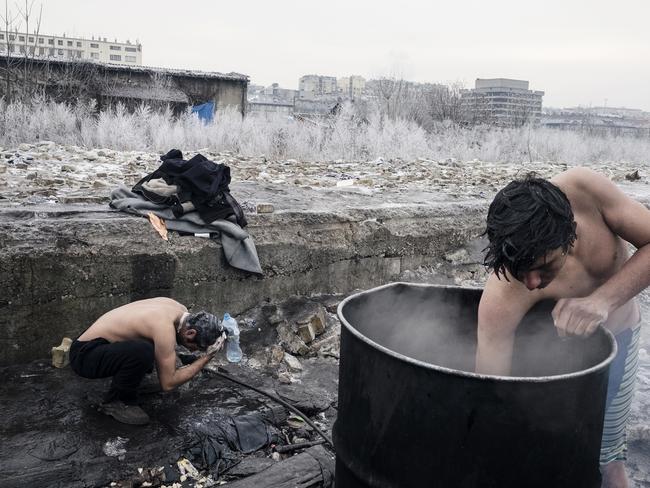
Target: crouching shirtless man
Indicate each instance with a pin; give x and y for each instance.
(565, 239)
(125, 342)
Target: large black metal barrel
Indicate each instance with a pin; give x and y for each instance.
(413, 414)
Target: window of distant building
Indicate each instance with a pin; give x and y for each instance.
(31, 39)
(130, 49)
(50, 41)
(116, 48)
(21, 38)
(78, 43)
(130, 59)
(94, 55)
(59, 42)
(116, 57)
(2, 36)
(69, 43)
(12, 37)
(94, 45)
(41, 40)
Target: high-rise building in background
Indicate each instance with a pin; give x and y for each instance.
(502, 102)
(314, 86)
(62, 47)
(352, 86)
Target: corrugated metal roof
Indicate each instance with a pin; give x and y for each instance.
(138, 68)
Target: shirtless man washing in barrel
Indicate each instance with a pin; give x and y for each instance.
(566, 239)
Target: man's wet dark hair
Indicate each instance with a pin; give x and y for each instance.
(207, 329)
(527, 219)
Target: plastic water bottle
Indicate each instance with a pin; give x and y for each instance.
(233, 351)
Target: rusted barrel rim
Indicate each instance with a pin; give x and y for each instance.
(457, 372)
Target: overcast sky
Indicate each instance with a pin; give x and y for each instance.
(578, 52)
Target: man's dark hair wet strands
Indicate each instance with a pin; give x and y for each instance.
(526, 220)
(206, 326)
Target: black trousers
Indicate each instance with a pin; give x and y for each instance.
(127, 362)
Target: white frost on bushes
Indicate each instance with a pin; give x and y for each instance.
(346, 136)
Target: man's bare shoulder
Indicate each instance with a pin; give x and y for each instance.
(581, 182)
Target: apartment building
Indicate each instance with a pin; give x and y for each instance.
(352, 86)
(62, 47)
(312, 86)
(501, 101)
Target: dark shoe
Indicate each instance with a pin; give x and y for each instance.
(127, 414)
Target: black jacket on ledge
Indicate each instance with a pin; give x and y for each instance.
(199, 180)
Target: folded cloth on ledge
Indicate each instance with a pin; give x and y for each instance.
(238, 247)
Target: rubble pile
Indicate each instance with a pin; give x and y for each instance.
(46, 172)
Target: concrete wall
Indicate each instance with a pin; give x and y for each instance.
(62, 267)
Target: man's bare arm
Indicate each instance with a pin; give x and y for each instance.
(170, 377)
(503, 305)
(628, 219)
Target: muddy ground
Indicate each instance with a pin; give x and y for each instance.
(54, 436)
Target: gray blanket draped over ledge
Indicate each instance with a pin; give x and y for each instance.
(238, 247)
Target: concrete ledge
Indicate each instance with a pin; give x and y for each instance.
(63, 266)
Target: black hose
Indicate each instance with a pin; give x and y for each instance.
(277, 399)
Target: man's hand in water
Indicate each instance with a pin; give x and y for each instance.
(579, 316)
(216, 347)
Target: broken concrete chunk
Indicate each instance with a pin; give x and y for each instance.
(290, 341)
(307, 332)
(292, 363)
(264, 208)
(60, 353)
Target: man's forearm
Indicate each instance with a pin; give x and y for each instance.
(186, 373)
(628, 282)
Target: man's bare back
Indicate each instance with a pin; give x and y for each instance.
(144, 319)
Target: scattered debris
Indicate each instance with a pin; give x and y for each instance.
(264, 208)
(158, 224)
(60, 353)
(116, 447)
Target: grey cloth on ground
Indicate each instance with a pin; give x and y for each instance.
(238, 247)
